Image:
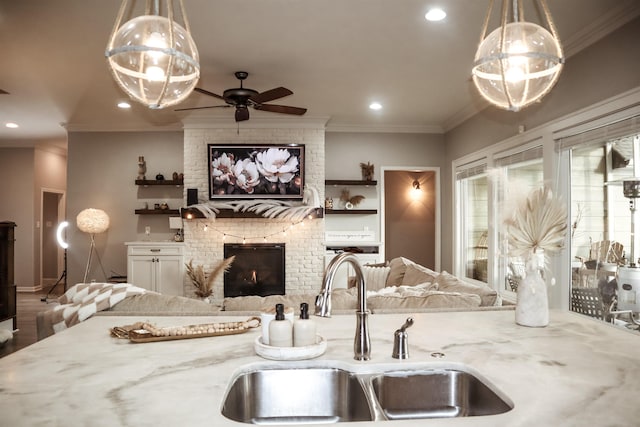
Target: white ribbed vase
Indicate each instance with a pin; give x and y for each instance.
(532, 308)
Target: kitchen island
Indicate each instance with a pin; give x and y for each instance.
(577, 371)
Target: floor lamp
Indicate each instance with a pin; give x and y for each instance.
(64, 245)
(92, 221)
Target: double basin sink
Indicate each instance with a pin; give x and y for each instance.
(331, 394)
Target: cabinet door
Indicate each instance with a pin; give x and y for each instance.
(169, 275)
(141, 271)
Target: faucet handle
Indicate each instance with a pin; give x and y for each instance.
(407, 324)
(401, 341)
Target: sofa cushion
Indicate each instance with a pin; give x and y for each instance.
(398, 266)
(258, 303)
(375, 277)
(341, 299)
(151, 303)
(430, 299)
(416, 274)
(449, 283)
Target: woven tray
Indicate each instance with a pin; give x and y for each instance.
(138, 333)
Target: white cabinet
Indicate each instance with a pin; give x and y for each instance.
(157, 266)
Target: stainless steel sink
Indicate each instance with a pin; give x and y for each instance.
(296, 396)
(435, 394)
(316, 395)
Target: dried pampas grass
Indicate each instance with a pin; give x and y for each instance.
(204, 283)
(345, 196)
(539, 222)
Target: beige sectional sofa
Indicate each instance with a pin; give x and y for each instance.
(400, 285)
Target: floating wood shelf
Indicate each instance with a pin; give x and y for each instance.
(157, 212)
(350, 211)
(189, 213)
(148, 182)
(336, 182)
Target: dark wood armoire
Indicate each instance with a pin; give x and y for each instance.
(7, 281)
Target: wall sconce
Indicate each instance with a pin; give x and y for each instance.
(416, 191)
(519, 62)
(153, 59)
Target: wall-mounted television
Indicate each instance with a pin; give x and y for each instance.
(264, 171)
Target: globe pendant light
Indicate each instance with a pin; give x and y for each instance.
(153, 58)
(519, 62)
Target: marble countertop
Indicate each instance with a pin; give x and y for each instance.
(577, 371)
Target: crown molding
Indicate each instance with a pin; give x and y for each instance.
(607, 23)
(287, 122)
(465, 113)
(358, 128)
(79, 127)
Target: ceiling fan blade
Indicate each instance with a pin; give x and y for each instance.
(270, 95)
(202, 108)
(285, 109)
(242, 114)
(206, 92)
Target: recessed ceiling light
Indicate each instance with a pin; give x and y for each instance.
(375, 106)
(435, 15)
(11, 125)
(124, 104)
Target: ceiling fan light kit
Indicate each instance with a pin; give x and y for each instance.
(152, 57)
(519, 62)
(242, 98)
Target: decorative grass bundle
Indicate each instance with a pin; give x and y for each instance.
(367, 171)
(204, 284)
(539, 222)
(346, 197)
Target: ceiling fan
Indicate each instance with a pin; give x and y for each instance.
(242, 98)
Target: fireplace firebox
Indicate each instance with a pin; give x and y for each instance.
(258, 269)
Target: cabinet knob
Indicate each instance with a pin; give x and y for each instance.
(154, 250)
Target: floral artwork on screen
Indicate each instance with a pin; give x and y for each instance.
(238, 171)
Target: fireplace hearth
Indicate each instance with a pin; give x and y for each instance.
(258, 269)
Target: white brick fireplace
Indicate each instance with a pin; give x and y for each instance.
(205, 238)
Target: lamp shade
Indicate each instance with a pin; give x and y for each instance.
(154, 59)
(92, 221)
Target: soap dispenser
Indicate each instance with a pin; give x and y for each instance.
(304, 329)
(280, 329)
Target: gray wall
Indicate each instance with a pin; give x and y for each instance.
(102, 170)
(605, 69)
(345, 151)
(17, 176)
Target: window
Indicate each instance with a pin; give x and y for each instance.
(473, 224)
(600, 212)
(476, 189)
(519, 173)
(600, 159)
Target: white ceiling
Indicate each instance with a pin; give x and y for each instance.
(335, 55)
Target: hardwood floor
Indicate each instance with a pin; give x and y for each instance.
(28, 304)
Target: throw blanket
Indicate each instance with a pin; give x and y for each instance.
(84, 300)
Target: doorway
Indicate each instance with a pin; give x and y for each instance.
(51, 255)
(411, 214)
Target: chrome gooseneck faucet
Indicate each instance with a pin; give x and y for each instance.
(362, 344)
